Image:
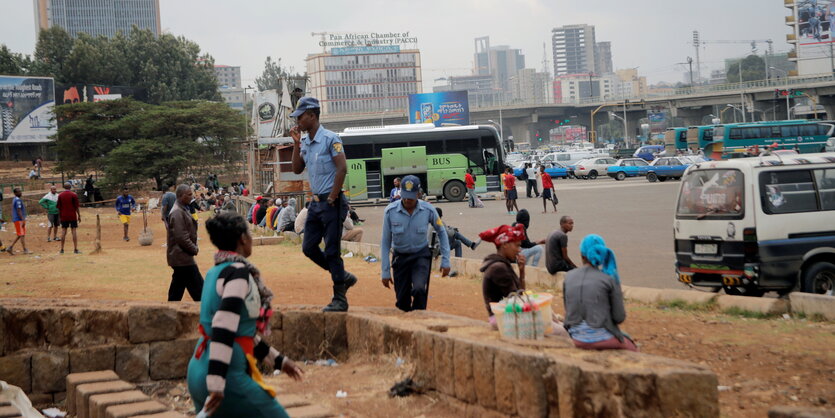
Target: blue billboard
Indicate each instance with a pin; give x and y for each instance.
(449, 107)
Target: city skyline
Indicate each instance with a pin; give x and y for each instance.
(243, 35)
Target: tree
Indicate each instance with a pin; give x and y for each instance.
(272, 75)
(51, 52)
(12, 63)
(753, 68)
(132, 141)
(169, 68)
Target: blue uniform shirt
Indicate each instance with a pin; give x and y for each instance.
(318, 156)
(125, 204)
(406, 233)
(17, 203)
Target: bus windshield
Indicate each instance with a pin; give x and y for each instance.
(714, 193)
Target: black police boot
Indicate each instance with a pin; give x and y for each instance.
(339, 303)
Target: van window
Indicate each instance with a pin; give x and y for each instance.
(712, 194)
(563, 157)
(825, 179)
(788, 192)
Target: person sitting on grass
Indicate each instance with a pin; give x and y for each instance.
(287, 217)
(594, 301)
(499, 278)
(235, 309)
(456, 239)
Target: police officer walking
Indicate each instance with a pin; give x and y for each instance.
(404, 233)
(320, 151)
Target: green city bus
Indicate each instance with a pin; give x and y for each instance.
(803, 136)
(439, 156)
(699, 136)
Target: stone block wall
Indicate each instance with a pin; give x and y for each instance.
(456, 357)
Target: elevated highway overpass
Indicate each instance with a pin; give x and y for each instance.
(692, 105)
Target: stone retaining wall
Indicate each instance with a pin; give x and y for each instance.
(43, 340)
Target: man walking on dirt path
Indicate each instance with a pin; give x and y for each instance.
(125, 204)
(49, 202)
(69, 213)
(320, 151)
(19, 219)
(181, 248)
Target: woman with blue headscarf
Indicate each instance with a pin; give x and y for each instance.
(594, 301)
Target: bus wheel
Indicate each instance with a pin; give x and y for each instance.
(819, 278)
(652, 177)
(620, 176)
(455, 191)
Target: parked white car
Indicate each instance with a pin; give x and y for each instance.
(592, 167)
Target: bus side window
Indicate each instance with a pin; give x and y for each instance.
(736, 133)
(682, 136)
(765, 132)
(775, 132)
(808, 130)
(708, 135)
(823, 129)
(789, 131)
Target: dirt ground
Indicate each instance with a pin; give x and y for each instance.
(760, 362)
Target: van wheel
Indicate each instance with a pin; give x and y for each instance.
(454, 191)
(652, 177)
(620, 176)
(744, 291)
(593, 175)
(819, 278)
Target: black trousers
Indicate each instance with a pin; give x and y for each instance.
(185, 277)
(325, 222)
(531, 184)
(411, 279)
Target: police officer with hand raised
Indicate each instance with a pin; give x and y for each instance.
(320, 151)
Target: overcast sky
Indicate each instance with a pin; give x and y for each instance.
(653, 35)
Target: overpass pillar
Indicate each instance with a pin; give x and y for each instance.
(828, 103)
(519, 129)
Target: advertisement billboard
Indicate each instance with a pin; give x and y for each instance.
(449, 107)
(26, 109)
(815, 21)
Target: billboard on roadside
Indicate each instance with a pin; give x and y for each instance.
(26, 109)
(449, 107)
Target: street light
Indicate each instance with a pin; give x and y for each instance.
(729, 106)
(501, 128)
(785, 73)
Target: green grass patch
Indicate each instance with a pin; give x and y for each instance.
(735, 311)
(679, 304)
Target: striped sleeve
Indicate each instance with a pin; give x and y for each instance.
(225, 323)
(263, 350)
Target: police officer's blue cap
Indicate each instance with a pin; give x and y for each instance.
(305, 103)
(409, 187)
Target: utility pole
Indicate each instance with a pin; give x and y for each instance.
(696, 44)
(742, 90)
(690, 62)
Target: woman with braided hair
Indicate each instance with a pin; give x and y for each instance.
(235, 311)
(594, 301)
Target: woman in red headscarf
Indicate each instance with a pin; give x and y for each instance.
(499, 278)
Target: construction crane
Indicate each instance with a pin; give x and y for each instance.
(698, 42)
(322, 36)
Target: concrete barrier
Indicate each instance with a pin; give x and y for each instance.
(641, 294)
(688, 296)
(768, 306)
(812, 304)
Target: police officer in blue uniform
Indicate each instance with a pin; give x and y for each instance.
(404, 234)
(320, 151)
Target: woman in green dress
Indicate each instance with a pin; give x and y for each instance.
(223, 378)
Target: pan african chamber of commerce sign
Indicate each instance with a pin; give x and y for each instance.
(26, 109)
(367, 42)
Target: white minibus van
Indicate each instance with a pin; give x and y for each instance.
(751, 225)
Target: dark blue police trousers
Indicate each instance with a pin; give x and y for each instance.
(325, 221)
(411, 279)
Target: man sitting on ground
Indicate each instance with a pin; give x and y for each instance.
(556, 248)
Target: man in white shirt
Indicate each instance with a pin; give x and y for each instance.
(531, 173)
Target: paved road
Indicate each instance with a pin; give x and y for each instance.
(635, 218)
